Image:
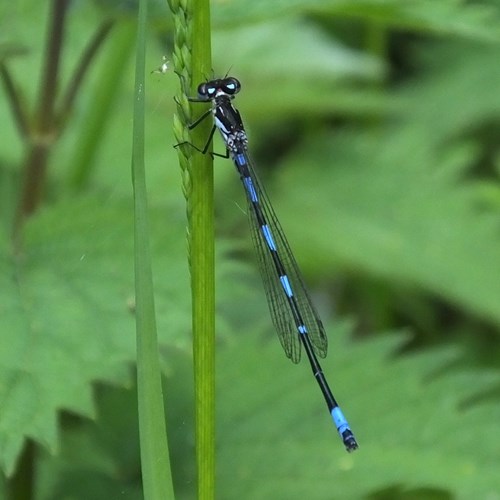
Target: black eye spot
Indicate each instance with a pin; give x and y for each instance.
(231, 85)
(202, 89)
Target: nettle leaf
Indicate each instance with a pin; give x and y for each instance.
(321, 74)
(445, 16)
(410, 416)
(418, 426)
(307, 53)
(98, 459)
(395, 202)
(67, 313)
(386, 206)
(459, 95)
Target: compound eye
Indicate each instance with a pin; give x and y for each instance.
(203, 90)
(206, 90)
(231, 86)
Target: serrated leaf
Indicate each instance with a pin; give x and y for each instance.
(412, 427)
(67, 316)
(321, 73)
(385, 206)
(415, 421)
(446, 16)
(98, 459)
(67, 311)
(300, 50)
(458, 96)
(394, 203)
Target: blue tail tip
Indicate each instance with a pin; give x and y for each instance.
(344, 430)
(349, 440)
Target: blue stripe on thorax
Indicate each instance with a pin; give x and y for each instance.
(240, 159)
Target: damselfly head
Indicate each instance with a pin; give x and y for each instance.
(226, 86)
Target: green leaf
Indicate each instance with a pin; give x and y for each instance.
(413, 420)
(98, 459)
(321, 74)
(67, 314)
(444, 17)
(309, 54)
(384, 206)
(156, 471)
(67, 311)
(395, 203)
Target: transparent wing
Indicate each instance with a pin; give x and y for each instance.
(280, 308)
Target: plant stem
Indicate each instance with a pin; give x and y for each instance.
(19, 112)
(78, 76)
(192, 62)
(42, 134)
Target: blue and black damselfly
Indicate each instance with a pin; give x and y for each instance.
(292, 311)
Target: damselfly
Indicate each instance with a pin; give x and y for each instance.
(292, 311)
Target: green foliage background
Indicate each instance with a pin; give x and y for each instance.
(375, 126)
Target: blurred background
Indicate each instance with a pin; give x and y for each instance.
(375, 128)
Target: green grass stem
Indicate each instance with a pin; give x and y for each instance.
(155, 462)
(192, 61)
